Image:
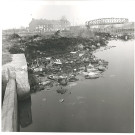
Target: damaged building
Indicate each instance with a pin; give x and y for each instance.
(44, 25)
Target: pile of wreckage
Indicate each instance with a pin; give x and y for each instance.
(63, 69)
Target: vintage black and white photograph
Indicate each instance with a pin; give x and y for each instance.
(67, 66)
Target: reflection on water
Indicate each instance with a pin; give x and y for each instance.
(104, 104)
(25, 115)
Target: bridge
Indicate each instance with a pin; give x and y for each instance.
(111, 25)
(106, 21)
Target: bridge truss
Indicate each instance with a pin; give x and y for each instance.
(106, 21)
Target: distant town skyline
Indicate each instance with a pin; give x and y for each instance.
(19, 14)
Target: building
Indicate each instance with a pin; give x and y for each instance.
(44, 25)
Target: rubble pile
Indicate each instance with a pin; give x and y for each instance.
(13, 36)
(60, 61)
(63, 68)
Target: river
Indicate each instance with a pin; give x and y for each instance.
(105, 104)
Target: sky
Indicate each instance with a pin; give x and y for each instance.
(16, 14)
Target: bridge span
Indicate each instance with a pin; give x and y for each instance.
(106, 21)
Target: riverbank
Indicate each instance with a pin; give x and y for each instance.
(43, 54)
(59, 57)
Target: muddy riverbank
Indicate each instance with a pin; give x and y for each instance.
(38, 49)
(59, 60)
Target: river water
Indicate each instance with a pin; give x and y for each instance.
(105, 104)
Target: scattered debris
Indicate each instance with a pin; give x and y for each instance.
(46, 82)
(59, 60)
(73, 52)
(92, 75)
(48, 58)
(61, 91)
(101, 68)
(52, 77)
(81, 54)
(62, 80)
(98, 44)
(72, 78)
(61, 100)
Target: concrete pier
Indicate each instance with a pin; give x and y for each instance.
(19, 66)
(17, 88)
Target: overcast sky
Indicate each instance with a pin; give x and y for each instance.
(17, 14)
